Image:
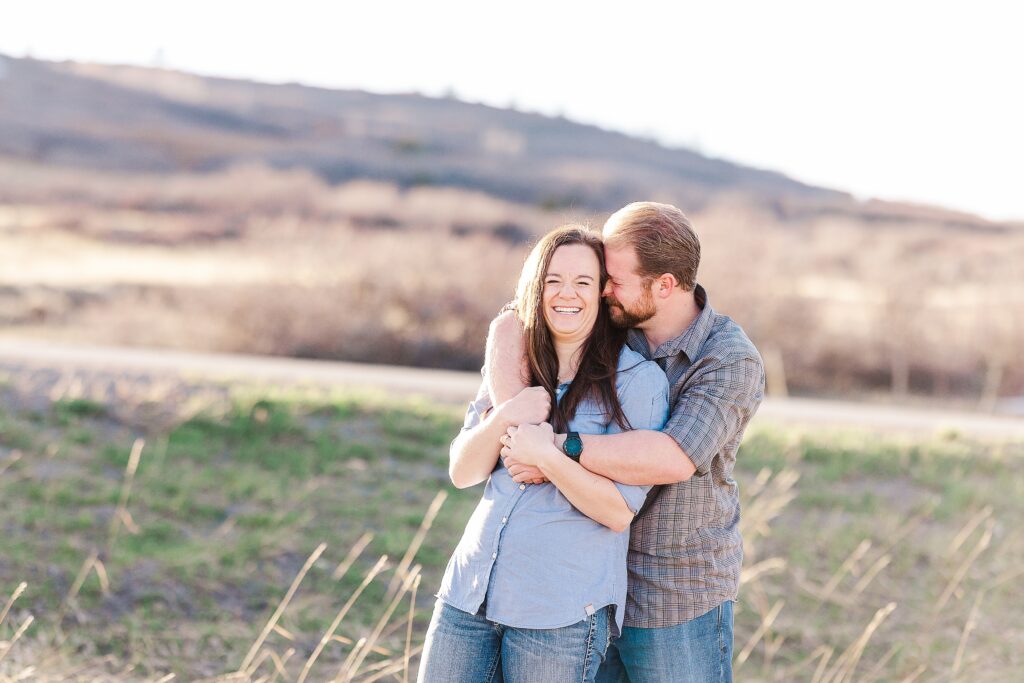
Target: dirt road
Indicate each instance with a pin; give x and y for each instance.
(19, 355)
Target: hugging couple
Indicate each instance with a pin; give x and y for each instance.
(606, 546)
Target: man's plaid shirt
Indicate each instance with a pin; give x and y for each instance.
(685, 549)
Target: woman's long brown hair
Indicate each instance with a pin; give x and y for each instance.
(599, 354)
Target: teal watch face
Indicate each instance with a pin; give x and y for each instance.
(573, 446)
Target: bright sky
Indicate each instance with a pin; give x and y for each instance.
(906, 100)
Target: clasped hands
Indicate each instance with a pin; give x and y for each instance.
(523, 447)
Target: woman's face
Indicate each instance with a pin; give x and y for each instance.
(572, 292)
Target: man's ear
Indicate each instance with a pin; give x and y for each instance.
(665, 284)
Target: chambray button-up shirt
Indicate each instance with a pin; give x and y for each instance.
(529, 556)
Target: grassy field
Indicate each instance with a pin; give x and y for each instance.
(868, 558)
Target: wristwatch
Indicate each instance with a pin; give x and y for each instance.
(573, 446)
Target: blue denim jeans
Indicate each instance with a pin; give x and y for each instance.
(468, 648)
(698, 651)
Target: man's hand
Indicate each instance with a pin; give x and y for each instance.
(530, 406)
(529, 444)
(507, 368)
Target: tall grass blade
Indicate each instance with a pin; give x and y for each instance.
(281, 607)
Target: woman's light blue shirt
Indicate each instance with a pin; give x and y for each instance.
(529, 556)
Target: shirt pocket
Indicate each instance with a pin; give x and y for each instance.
(589, 419)
(665, 537)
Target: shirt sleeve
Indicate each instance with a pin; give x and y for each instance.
(644, 400)
(478, 407)
(710, 411)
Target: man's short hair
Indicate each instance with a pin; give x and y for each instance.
(663, 238)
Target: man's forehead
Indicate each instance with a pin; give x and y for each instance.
(623, 253)
(620, 260)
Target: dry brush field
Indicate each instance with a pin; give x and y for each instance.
(279, 262)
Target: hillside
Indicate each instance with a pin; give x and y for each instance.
(155, 208)
(138, 119)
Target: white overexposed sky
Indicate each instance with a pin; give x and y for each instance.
(918, 101)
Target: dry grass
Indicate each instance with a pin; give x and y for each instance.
(846, 587)
(367, 660)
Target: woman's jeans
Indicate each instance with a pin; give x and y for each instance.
(467, 648)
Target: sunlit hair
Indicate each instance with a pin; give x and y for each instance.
(663, 238)
(599, 354)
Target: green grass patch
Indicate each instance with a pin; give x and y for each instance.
(226, 506)
(71, 409)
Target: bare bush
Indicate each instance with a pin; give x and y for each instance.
(259, 260)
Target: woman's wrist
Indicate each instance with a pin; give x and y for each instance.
(551, 458)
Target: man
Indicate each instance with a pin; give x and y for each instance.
(685, 547)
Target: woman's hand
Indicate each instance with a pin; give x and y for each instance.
(529, 444)
(530, 406)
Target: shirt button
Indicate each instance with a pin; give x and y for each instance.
(504, 519)
(522, 486)
(494, 556)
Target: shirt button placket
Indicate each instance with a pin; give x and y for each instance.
(501, 527)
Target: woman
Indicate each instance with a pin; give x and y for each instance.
(537, 586)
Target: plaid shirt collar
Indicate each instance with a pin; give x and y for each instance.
(689, 342)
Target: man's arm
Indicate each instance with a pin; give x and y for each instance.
(507, 370)
(637, 457)
(706, 415)
(595, 496)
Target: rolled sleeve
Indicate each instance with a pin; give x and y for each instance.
(635, 496)
(710, 411)
(478, 407)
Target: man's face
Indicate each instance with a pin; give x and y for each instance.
(630, 301)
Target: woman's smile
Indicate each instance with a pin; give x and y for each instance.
(571, 296)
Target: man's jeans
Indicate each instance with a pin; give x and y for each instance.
(467, 648)
(698, 651)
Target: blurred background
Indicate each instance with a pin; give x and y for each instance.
(279, 192)
(317, 187)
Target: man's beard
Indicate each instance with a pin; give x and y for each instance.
(643, 311)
